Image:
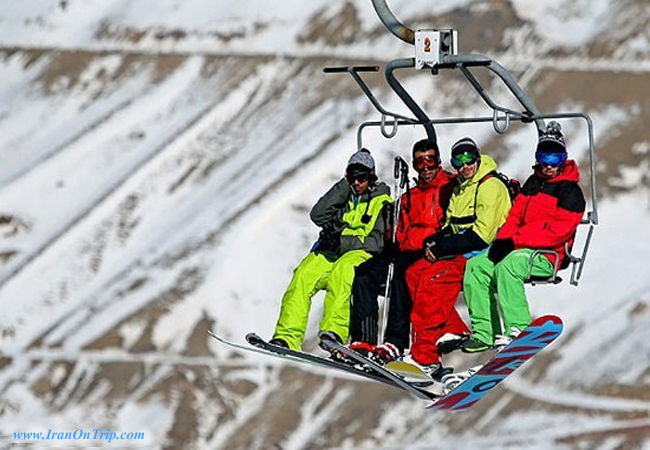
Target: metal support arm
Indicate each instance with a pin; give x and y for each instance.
(391, 23)
(406, 97)
(470, 59)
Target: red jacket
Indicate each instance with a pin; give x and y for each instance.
(423, 211)
(547, 212)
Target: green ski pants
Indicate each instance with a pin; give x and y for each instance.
(316, 272)
(483, 279)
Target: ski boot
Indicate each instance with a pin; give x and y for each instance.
(502, 341)
(335, 355)
(452, 380)
(449, 342)
(279, 343)
(385, 353)
(436, 371)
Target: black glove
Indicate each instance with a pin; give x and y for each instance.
(500, 249)
(329, 240)
(428, 241)
(435, 236)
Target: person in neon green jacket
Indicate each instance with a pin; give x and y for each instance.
(479, 212)
(353, 219)
(478, 206)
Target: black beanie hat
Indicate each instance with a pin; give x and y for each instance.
(465, 145)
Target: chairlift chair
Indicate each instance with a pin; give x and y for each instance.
(436, 50)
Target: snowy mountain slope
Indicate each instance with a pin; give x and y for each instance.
(158, 169)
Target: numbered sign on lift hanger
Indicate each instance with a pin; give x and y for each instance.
(432, 45)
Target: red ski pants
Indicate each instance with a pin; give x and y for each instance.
(434, 288)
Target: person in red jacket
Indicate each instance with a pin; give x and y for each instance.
(545, 215)
(422, 214)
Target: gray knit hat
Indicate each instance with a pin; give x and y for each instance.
(552, 139)
(362, 158)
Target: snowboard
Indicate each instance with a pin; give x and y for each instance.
(534, 338)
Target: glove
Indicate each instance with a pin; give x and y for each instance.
(500, 249)
(329, 240)
(435, 236)
(429, 241)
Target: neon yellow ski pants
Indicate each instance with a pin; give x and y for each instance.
(314, 273)
(483, 279)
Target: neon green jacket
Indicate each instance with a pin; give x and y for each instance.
(360, 220)
(473, 217)
(492, 203)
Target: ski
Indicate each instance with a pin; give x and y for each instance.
(260, 346)
(534, 338)
(407, 370)
(410, 387)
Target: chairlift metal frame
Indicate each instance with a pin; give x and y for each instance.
(500, 119)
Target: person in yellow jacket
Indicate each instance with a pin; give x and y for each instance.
(478, 207)
(353, 222)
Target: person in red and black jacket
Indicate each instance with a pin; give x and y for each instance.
(422, 214)
(545, 215)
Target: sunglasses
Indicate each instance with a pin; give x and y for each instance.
(423, 161)
(550, 159)
(461, 159)
(361, 177)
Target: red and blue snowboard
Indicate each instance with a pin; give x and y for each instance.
(534, 338)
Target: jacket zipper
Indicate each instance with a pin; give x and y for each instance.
(438, 275)
(523, 215)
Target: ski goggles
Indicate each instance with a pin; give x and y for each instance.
(423, 161)
(461, 159)
(361, 177)
(545, 159)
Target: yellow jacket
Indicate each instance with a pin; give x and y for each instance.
(488, 208)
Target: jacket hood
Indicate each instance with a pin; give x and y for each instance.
(486, 166)
(569, 173)
(380, 188)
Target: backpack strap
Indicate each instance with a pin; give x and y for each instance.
(466, 220)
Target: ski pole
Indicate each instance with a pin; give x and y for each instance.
(400, 173)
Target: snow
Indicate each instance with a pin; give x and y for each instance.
(316, 414)
(573, 399)
(553, 19)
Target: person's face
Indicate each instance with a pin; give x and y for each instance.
(467, 171)
(426, 164)
(466, 164)
(359, 181)
(550, 171)
(550, 163)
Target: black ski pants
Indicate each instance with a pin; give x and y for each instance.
(368, 285)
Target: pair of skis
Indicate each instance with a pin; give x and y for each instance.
(259, 345)
(461, 394)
